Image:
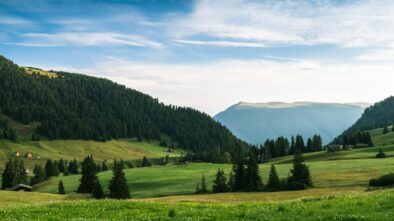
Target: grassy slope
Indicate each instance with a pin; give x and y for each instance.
(366, 206)
(340, 175)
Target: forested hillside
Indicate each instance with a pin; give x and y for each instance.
(379, 115)
(75, 106)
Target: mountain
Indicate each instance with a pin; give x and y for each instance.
(256, 122)
(379, 115)
(75, 106)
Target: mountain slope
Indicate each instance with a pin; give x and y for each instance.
(75, 106)
(378, 115)
(256, 122)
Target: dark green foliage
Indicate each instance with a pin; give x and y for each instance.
(385, 180)
(220, 183)
(74, 106)
(51, 169)
(231, 181)
(14, 173)
(60, 188)
(252, 180)
(300, 178)
(358, 138)
(104, 166)
(39, 175)
(273, 180)
(197, 189)
(118, 188)
(88, 175)
(73, 167)
(6, 131)
(97, 191)
(204, 187)
(239, 175)
(145, 162)
(61, 165)
(385, 130)
(378, 115)
(380, 154)
(171, 213)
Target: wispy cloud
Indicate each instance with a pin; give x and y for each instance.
(351, 24)
(14, 21)
(86, 39)
(222, 43)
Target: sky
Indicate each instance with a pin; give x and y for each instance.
(212, 54)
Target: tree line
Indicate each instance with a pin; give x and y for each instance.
(244, 177)
(282, 147)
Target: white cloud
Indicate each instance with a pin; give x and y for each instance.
(221, 43)
(88, 39)
(351, 24)
(211, 87)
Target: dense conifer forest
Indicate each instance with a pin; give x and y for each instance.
(75, 106)
(378, 115)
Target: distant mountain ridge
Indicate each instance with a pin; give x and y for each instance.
(256, 122)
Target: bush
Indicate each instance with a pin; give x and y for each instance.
(380, 154)
(385, 180)
(171, 213)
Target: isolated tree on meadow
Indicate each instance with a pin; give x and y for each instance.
(88, 175)
(273, 180)
(204, 188)
(300, 178)
(39, 175)
(231, 181)
(60, 188)
(219, 184)
(380, 154)
(239, 175)
(252, 180)
(118, 188)
(145, 162)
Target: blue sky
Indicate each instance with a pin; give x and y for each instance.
(212, 54)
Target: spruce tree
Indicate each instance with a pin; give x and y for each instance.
(204, 188)
(39, 175)
(118, 188)
(273, 180)
(385, 130)
(197, 189)
(380, 154)
(97, 192)
(231, 181)
(21, 175)
(300, 178)
(88, 175)
(239, 175)
(60, 188)
(49, 169)
(145, 162)
(219, 184)
(252, 181)
(8, 175)
(104, 166)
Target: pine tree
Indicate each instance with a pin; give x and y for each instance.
(204, 188)
(8, 175)
(385, 130)
(239, 175)
(61, 165)
(219, 184)
(88, 175)
(60, 188)
(73, 167)
(380, 154)
(197, 189)
(97, 191)
(231, 181)
(252, 178)
(300, 178)
(145, 162)
(273, 181)
(39, 175)
(49, 169)
(118, 188)
(104, 166)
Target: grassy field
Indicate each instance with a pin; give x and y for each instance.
(345, 175)
(30, 70)
(366, 206)
(70, 149)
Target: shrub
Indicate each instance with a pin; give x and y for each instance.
(171, 213)
(380, 154)
(385, 180)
